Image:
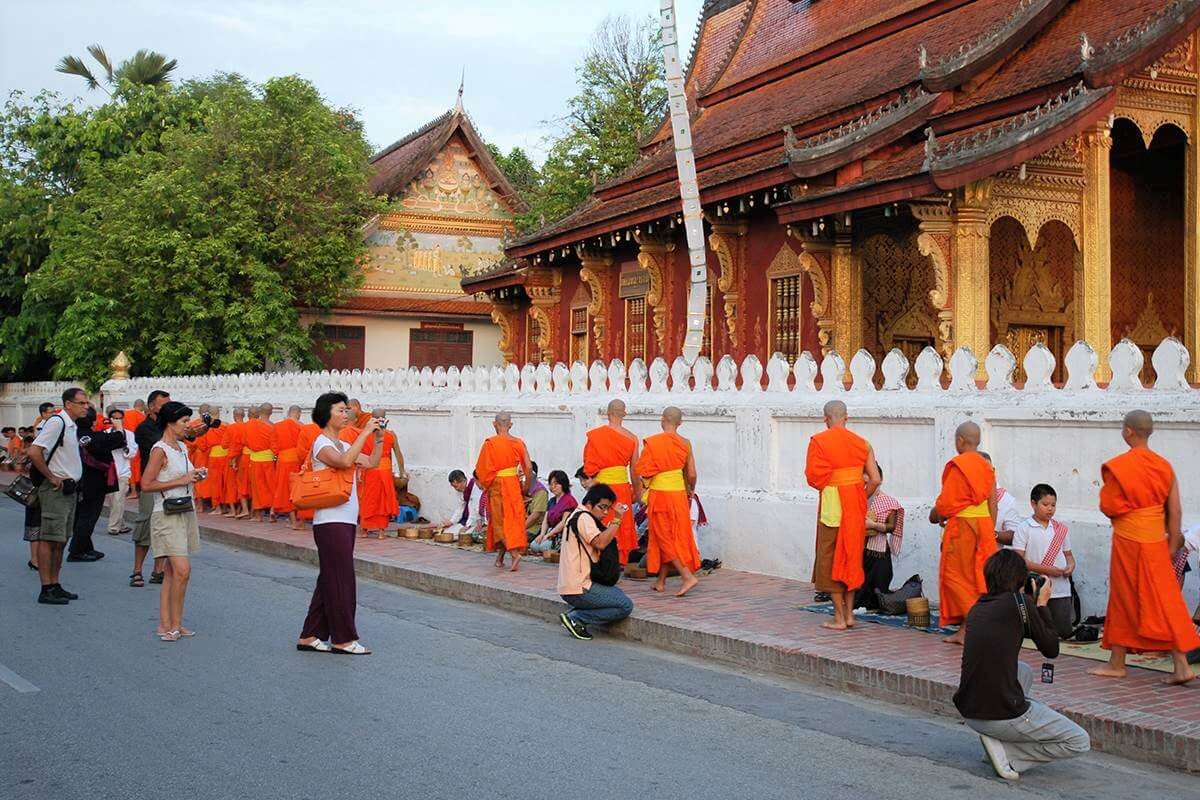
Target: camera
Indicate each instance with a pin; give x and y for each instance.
(201, 473)
(383, 423)
(209, 421)
(69, 486)
(1034, 583)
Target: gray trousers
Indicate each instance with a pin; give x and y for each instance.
(1038, 736)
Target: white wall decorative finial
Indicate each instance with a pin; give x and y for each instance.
(862, 371)
(616, 376)
(681, 375)
(1081, 362)
(658, 375)
(1170, 360)
(805, 370)
(1039, 365)
(778, 372)
(929, 366)
(1001, 366)
(726, 374)
(963, 366)
(598, 377)
(752, 373)
(895, 370)
(637, 376)
(702, 374)
(833, 369)
(1126, 361)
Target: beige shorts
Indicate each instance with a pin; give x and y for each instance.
(58, 514)
(174, 534)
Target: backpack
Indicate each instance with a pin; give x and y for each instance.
(606, 570)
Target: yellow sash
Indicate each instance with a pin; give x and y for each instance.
(975, 512)
(611, 475)
(831, 501)
(218, 452)
(1145, 525)
(261, 455)
(510, 472)
(671, 481)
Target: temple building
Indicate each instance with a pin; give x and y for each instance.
(450, 208)
(902, 174)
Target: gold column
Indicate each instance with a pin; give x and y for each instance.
(972, 272)
(1095, 318)
(1191, 243)
(847, 297)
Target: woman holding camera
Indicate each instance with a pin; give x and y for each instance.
(329, 627)
(583, 543)
(1017, 733)
(174, 531)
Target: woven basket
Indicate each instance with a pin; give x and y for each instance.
(464, 540)
(635, 573)
(410, 532)
(425, 532)
(918, 611)
(444, 537)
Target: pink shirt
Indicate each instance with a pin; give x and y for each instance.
(574, 568)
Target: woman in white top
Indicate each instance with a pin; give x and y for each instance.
(116, 513)
(329, 626)
(174, 537)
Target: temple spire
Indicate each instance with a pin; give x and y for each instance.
(458, 106)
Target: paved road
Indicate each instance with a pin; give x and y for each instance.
(459, 701)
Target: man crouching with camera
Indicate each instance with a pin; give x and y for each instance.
(1017, 733)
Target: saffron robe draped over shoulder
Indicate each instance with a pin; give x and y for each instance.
(235, 443)
(1146, 610)
(661, 464)
(377, 501)
(968, 481)
(287, 434)
(260, 456)
(133, 418)
(607, 456)
(500, 461)
(834, 467)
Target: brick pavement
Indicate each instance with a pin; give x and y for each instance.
(755, 622)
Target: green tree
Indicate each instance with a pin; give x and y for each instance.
(196, 247)
(144, 68)
(622, 99)
(520, 169)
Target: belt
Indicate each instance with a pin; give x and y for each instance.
(831, 501)
(289, 454)
(261, 455)
(670, 481)
(510, 472)
(218, 452)
(611, 475)
(1145, 525)
(975, 512)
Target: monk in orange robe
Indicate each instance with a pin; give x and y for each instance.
(667, 469)
(133, 417)
(609, 457)
(503, 469)
(235, 444)
(304, 444)
(260, 456)
(378, 503)
(1146, 611)
(198, 451)
(360, 417)
(835, 466)
(967, 507)
(287, 437)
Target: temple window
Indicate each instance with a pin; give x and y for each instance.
(635, 328)
(579, 335)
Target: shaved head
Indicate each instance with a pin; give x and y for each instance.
(355, 404)
(252, 412)
(294, 412)
(503, 418)
(672, 416)
(265, 409)
(378, 413)
(205, 408)
(1139, 423)
(967, 437)
(616, 408)
(835, 413)
(139, 404)
(239, 414)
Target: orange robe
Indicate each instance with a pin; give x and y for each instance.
(837, 458)
(234, 443)
(199, 450)
(378, 503)
(133, 418)
(1146, 611)
(259, 457)
(608, 448)
(506, 517)
(287, 436)
(304, 445)
(668, 510)
(14, 447)
(968, 541)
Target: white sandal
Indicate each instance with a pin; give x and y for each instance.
(317, 646)
(355, 649)
(169, 636)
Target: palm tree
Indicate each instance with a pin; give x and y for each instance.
(145, 68)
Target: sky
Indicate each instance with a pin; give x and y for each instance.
(397, 63)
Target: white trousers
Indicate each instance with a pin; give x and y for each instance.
(116, 512)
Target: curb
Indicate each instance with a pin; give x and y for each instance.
(764, 654)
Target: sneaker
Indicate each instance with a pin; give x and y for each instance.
(576, 629)
(50, 598)
(994, 750)
(61, 592)
(96, 554)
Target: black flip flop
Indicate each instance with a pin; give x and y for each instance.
(136, 580)
(156, 577)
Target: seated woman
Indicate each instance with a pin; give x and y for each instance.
(556, 515)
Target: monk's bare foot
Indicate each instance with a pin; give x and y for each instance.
(1177, 679)
(516, 562)
(500, 560)
(687, 587)
(1107, 671)
(954, 638)
(834, 626)
(660, 587)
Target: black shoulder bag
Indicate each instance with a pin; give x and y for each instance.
(606, 570)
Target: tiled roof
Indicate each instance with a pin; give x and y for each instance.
(815, 65)
(415, 305)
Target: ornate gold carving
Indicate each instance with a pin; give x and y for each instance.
(653, 257)
(728, 241)
(1094, 303)
(821, 300)
(1191, 248)
(969, 257)
(935, 247)
(846, 271)
(1151, 107)
(120, 366)
(500, 316)
(1149, 329)
(897, 286)
(544, 329)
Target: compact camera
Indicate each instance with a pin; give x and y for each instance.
(201, 473)
(209, 421)
(1034, 583)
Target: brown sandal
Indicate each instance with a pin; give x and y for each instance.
(136, 580)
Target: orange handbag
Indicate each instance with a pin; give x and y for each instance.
(320, 488)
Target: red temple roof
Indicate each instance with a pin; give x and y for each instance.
(814, 66)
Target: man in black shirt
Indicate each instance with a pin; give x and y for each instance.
(1017, 733)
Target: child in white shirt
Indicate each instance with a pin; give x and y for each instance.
(1045, 545)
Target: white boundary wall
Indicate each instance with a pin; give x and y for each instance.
(750, 438)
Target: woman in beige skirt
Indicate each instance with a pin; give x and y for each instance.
(174, 536)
